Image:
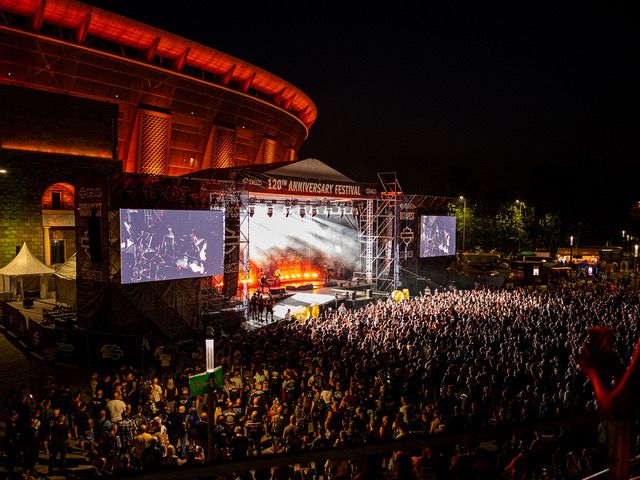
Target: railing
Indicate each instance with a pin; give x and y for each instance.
(606, 473)
(411, 444)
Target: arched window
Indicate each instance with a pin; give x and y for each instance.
(59, 196)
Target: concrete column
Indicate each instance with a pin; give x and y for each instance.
(47, 246)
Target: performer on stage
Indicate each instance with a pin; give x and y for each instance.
(268, 303)
(253, 306)
(264, 283)
(276, 275)
(261, 305)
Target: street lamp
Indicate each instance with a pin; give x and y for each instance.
(571, 249)
(635, 267)
(521, 220)
(464, 220)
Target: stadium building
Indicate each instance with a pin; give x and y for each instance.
(85, 91)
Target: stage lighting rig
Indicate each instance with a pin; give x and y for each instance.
(252, 210)
(270, 211)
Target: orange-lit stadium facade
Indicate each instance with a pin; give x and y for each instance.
(88, 92)
(182, 106)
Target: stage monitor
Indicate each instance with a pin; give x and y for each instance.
(170, 244)
(437, 236)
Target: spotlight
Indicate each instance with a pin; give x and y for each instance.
(287, 211)
(302, 212)
(314, 211)
(252, 210)
(269, 211)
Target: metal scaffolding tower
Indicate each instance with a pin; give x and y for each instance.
(245, 260)
(379, 235)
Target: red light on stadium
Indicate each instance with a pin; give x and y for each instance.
(314, 275)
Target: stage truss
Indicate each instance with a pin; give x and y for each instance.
(379, 236)
(384, 249)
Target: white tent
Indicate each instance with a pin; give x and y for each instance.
(65, 280)
(310, 168)
(25, 264)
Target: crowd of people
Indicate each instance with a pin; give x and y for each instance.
(449, 362)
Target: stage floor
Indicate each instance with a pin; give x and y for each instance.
(319, 295)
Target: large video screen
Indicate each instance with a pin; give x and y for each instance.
(303, 248)
(170, 244)
(437, 236)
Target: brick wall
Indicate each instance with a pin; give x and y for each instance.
(21, 190)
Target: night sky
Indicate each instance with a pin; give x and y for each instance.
(537, 104)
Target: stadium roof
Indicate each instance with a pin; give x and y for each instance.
(89, 20)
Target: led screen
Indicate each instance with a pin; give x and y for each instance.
(303, 243)
(437, 236)
(170, 244)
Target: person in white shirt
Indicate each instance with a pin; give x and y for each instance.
(156, 390)
(115, 407)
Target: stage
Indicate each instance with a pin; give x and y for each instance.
(329, 298)
(33, 328)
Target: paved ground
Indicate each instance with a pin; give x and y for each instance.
(19, 368)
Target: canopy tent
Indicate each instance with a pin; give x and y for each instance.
(25, 264)
(65, 281)
(310, 168)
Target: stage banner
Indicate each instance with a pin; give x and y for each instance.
(16, 322)
(175, 193)
(110, 350)
(409, 226)
(264, 183)
(5, 315)
(92, 243)
(71, 345)
(40, 337)
(233, 204)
